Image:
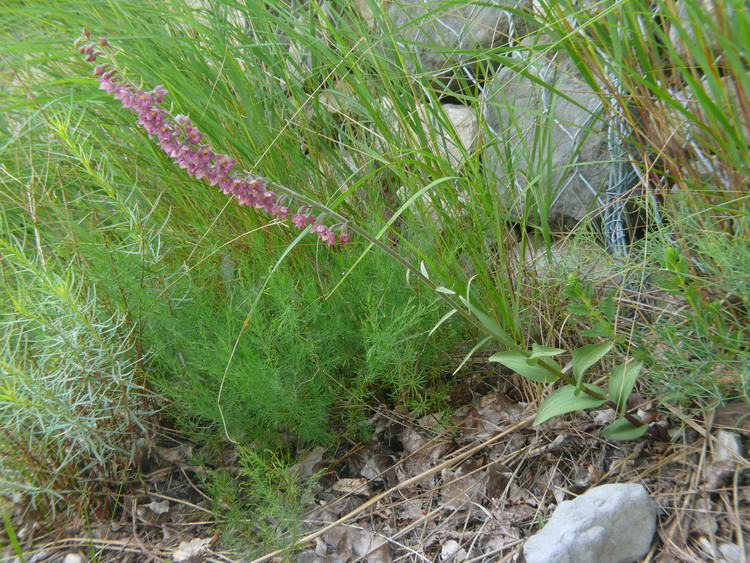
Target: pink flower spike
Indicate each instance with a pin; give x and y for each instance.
(165, 132)
(170, 146)
(144, 97)
(181, 140)
(159, 93)
(205, 154)
(326, 235)
(280, 211)
(215, 175)
(192, 135)
(299, 220)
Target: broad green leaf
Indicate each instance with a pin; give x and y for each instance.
(538, 351)
(519, 362)
(586, 356)
(621, 383)
(598, 332)
(578, 309)
(563, 401)
(621, 429)
(608, 307)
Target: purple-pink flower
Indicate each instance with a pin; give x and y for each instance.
(181, 140)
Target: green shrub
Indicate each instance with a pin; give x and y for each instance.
(71, 399)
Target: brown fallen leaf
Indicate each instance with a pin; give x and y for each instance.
(177, 455)
(462, 487)
(305, 467)
(412, 440)
(376, 466)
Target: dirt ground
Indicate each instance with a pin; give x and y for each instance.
(468, 488)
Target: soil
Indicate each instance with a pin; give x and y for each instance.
(470, 487)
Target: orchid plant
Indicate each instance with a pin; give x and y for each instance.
(186, 145)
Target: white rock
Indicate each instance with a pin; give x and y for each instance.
(607, 524)
(731, 553)
(727, 454)
(190, 549)
(604, 417)
(449, 548)
(74, 558)
(728, 447)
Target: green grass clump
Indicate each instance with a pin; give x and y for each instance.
(239, 340)
(261, 503)
(71, 396)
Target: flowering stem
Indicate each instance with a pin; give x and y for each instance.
(182, 141)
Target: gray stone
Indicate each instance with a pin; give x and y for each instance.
(607, 524)
(547, 145)
(433, 36)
